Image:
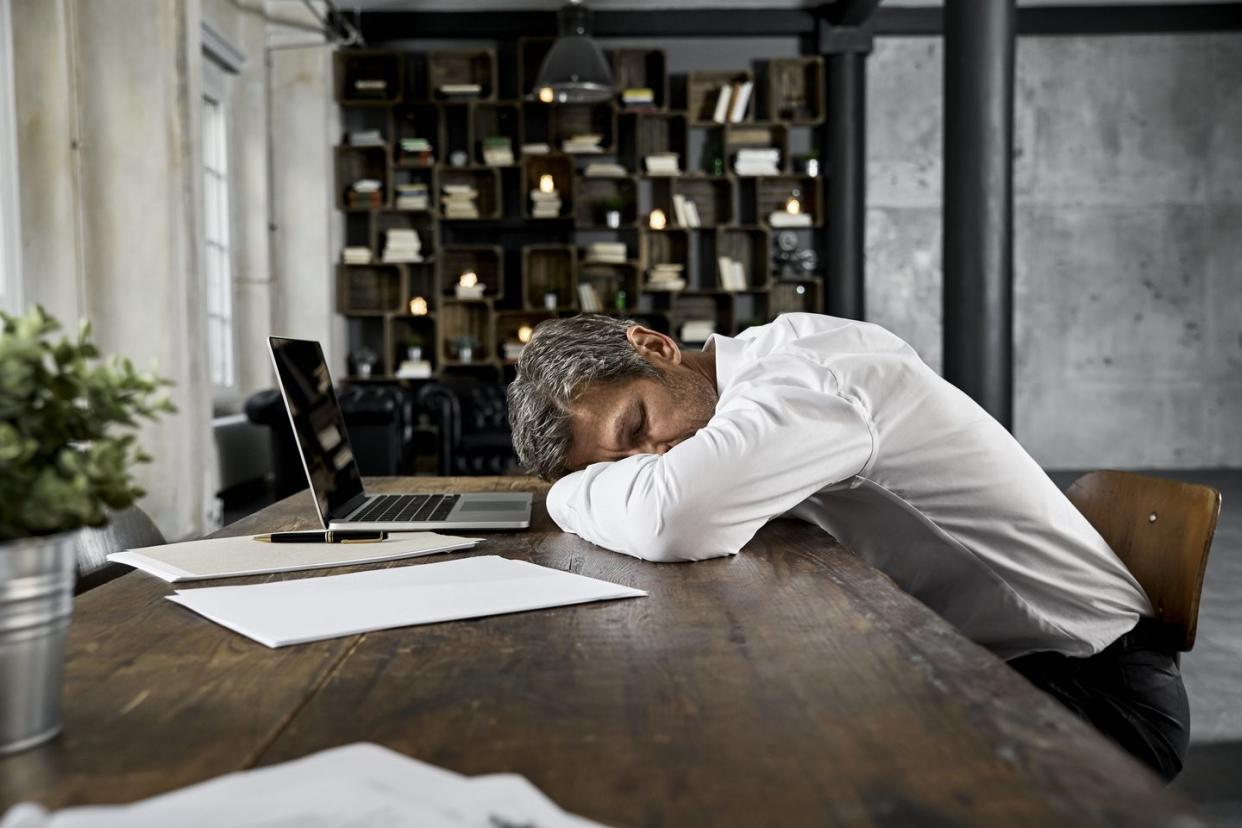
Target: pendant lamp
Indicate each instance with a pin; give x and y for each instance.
(575, 70)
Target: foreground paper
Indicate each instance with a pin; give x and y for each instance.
(233, 557)
(345, 787)
(313, 609)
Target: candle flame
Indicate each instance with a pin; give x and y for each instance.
(468, 279)
(418, 306)
(546, 95)
(793, 207)
(524, 333)
(546, 184)
(658, 219)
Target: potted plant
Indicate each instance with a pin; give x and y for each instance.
(466, 346)
(414, 346)
(613, 205)
(67, 450)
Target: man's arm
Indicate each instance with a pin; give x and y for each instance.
(774, 443)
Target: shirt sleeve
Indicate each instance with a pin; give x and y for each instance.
(771, 444)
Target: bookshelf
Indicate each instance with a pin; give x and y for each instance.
(536, 233)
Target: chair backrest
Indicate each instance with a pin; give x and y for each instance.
(127, 529)
(1162, 531)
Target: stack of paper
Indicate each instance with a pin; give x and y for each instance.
(401, 244)
(343, 787)
(313, 609)
(234, 557)
(586, 142)
(663, 163)
(757, 161)
(666, 276)
(605, 253)
(459, 201)
(356, 255)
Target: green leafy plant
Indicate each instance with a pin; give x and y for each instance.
(67, 417)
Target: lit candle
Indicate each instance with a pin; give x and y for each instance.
(546, 184)
(468, 279)
(793, 207)
(546, 95)
(418, 306)
(524, 333)
(658, 220)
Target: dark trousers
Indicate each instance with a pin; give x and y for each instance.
(1131, 692)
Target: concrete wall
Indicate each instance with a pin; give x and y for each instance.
(1128, 259)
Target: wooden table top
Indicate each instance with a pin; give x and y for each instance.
(792, 684)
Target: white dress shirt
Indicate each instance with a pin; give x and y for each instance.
(839, 423)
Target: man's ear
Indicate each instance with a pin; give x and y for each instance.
(653, 345)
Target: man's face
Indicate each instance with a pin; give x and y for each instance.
(640, 416)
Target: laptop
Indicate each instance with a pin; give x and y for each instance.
(336, 483)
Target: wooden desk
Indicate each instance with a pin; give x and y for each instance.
(790, 685)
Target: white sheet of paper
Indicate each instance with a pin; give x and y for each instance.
(312, 609)
(233, 557)
(355, 786)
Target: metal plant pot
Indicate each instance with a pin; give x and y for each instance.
(36, 601)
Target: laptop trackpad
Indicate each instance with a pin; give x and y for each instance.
(491, 506)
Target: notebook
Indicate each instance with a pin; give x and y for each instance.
(233, 557)
(313, 609)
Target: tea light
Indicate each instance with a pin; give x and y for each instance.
(800, 289)
(658, 220)
(792, 206)
(418, 306)
(546, 95)
(468, 286)
(524, 333)
(546, 184)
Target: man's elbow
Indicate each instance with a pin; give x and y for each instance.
(672, 545)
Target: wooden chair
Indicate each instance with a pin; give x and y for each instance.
(127, 529)
(1162, 531)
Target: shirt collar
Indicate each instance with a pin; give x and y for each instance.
(728, 359)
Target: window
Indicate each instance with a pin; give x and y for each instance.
(10, 256)
(221, 359)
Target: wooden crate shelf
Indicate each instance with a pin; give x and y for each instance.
(364, 290)
(485, 261)
(357, 163)
(794, 297)
(549, 269)
(652, 133)
(356, 69)
(405, 332)
(495, 120)
(750, 247)
(594, 197)
(713, 197)
(703, 90)
(795, 90)
(461, 320)
(509, 328)
(639, 68)
(616, 284)
(485, 181)
(453, 66)
(569, 120)
(420, 222)
(555, 164)
(772, 194)
(416, 121)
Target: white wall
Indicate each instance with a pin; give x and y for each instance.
(10, 233)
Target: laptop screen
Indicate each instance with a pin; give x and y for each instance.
(318, 426)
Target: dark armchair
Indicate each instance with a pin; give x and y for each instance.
(473, 423)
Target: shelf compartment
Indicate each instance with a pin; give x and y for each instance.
(638, 68)
(369, 333)
(416, 121)
(560, 167)
(485, 180)
(509, 324)
(703, 91)
(609, 279)
(531, 52)
(689, 307)
(712, 196)
(486, 261)
(403, 332)
(671, 246)
(752, 248)
(449, 66)
(356, 163)
(761, 135)
(795, 90)
(455, 129)
(794, 297)
(352, 67)
(495, 120)
(575, 119)
(594, 197)
(549, 268)
(465, 319)
(640, 134)
(772, 193)
(420, 222)
(366, 290)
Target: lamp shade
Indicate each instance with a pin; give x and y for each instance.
(575, 69)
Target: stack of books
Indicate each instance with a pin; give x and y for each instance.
(757, 161)
(459, 201)
(402, 244)
(371, 87)
(604, 169)
(414, 369)
(413, 196)
(460, 90)
(605, 253)
(697, 330)
(535, 149)
(588, 298)
(497, 151)
(666, 276)
(784, 218)
(586, 142)
(513, 350)
(365, 192)
(366, 138)
(686, 211)
(732, 101)
(416, 150)
(356, 255)
(638, 97)
(732, 273)
(663, 163)
(545, 205)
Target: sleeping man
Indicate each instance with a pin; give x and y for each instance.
(672, 455)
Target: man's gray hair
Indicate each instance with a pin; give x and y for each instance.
(563, 359)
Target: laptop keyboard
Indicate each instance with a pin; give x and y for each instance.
(406, 509)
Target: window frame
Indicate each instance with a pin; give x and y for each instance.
(226, 398)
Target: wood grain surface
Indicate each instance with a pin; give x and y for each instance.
(789, 685)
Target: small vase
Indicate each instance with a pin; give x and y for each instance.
(613, 219)
(414, 353)
(465, 353)
(550, 301)
(36, 601)
(364, 370)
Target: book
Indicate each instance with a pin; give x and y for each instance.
(679, 210)
(536, 149)
(741, 98)
(460, 89)
(402, 245)
(692, 214)
(636, 97)
(366, 185)
(413, 197)
(356, 255)
(588, 298)
(366, 138)
(605, 253)
(722, 104)
(497, 151)
(585, 143)
(374, 87)
(604, 169)
(757, 161)
(662, 163)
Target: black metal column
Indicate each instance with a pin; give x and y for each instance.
(978, 201)
(844, 140)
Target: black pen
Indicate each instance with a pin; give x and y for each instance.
(330, 536)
